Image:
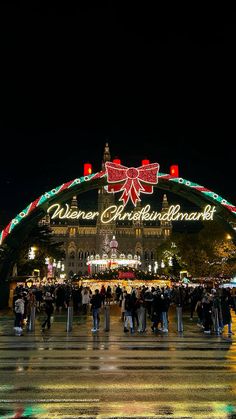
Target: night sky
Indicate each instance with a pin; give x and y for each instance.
(156, 83)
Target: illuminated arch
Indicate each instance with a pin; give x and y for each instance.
(199, 195)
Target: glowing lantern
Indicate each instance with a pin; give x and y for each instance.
(87, 169)
(116, 160)
(145, 162)
(174, 170)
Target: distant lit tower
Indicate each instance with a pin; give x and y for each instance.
(138, 232)
(105, 200)
(113, 246)
(74, 203)
(165, 224)
(74, 207)
(106, 156)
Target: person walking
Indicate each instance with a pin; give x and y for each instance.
(48, 300)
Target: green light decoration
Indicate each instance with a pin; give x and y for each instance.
(89, 178)
(202, 189)
(26, 412)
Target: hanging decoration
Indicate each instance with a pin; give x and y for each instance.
(131, 180)
(162, 177)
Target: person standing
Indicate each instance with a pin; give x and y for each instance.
(141, 312)
(30, 305)
(207, 303)
(103, 294)
(108, 295)
(19, 309)
(85, 300)
(128, 320)
(96, 302)
(48, 300)
(122, 304)
(226, 310)
(164, 307)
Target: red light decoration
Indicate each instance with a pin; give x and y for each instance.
(87, 169)
(145, 162)
(131, 180)
(174, 170)
(116, 160)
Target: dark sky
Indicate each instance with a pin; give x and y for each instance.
(157, 83)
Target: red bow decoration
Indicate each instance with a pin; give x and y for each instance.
(131, 180)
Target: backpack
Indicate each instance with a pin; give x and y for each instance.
(17, 307)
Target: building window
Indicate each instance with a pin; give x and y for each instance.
(72, 231)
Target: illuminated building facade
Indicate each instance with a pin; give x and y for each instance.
(88, 237)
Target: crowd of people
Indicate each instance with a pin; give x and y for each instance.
(212, 307)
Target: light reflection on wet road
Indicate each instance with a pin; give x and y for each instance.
(116, 375)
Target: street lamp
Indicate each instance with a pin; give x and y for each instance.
(155, 267)
(31, 253)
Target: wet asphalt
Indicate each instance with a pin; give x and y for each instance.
(104, 375)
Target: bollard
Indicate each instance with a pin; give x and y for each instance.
(31, 326)
(180, 327)
(106, 318)
(69, 321)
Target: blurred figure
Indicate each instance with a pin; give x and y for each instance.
(19, 309)
(85, 300)
(30, 304)
(225, 307)
(141, 312)
(128, 314)
(103, 294)
(207, 303)
(96, 302)
(48, 301)
(108, 295)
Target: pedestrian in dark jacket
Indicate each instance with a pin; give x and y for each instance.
(226, 313)
(48, 307)
(96, 302)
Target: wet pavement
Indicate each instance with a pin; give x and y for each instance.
(80, 374)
